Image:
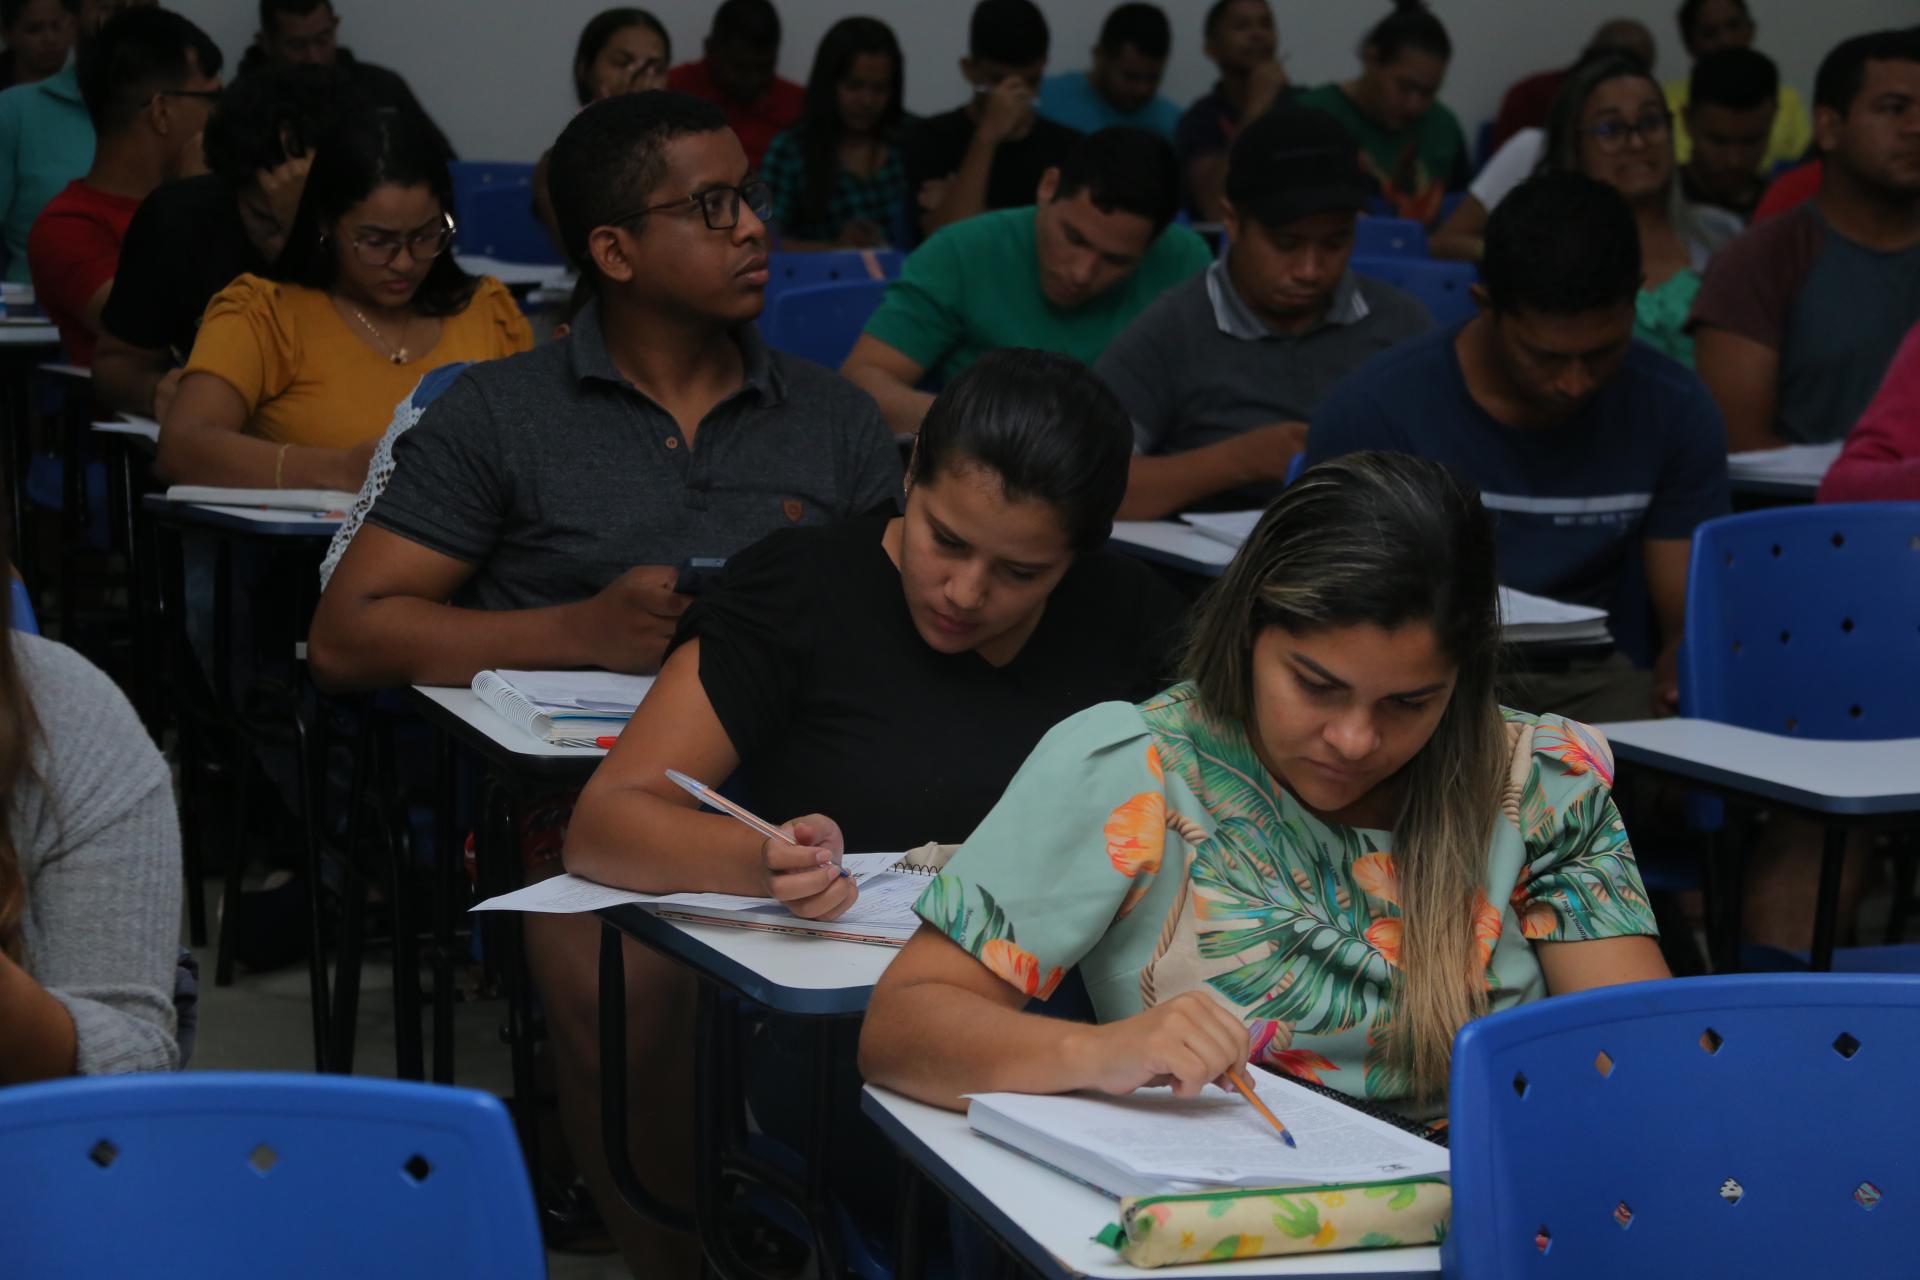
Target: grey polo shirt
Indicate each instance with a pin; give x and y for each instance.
(553, 474)
(1198, 367)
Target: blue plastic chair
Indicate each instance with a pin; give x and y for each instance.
(1294, 469)
(1725, 1126)
(227, 1174)
(498, 222)
(22, 607)
(821, 322)
(1389, 238)
(1442, 286)
(1802, 620)
(788, 271)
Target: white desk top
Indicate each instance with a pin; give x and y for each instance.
(1058, 1217)
(1178, 544)
(466, 705)
(1855, 778)
(146, 428)
(29, 335)
(517, 274)
(787, 972)
(78, 373)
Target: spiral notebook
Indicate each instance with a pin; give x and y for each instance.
(889, 883)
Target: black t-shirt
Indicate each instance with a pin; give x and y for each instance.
(837, 706)
(936, 146)
(185, 244)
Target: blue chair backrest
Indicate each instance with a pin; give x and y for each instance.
(1806, 620)
(821, 322)
(470, 176)
(1294, 468)
(786, 271)
(22, 606)
(1389, 238)
(498, 222)
(1726, 1126)
(227, 1174)
(1442, 286)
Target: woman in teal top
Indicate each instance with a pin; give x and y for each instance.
(1322, 853)
(837, 177)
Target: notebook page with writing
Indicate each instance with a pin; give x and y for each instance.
(1152, 1141)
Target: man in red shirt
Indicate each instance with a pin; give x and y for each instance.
(738, 76)
(149, 79)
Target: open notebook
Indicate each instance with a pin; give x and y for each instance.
(1150, 1142)
(882, 915)
(564, 708)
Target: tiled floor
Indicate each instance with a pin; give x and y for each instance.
(261, 1023)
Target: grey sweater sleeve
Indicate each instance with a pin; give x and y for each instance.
(99, 843)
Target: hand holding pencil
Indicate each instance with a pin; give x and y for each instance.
(800, 862)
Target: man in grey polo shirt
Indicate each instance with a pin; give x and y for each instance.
(1222, 373)
(538, 511)
(551, 496)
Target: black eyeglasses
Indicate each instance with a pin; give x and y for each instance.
(380, 248)
(1612, 135)
(720, 206)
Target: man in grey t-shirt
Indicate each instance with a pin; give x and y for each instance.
(1222, 374)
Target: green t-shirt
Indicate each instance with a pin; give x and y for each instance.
(1416, 166)
(974, 287)
(46, 141)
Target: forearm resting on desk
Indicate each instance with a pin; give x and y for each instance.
(1160, 485)
(889, 375)
(125, 376)
(382, 642)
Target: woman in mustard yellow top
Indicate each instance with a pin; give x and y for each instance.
(293, 379)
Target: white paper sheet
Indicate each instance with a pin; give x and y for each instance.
(580, 690)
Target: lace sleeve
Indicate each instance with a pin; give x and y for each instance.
(405, 415)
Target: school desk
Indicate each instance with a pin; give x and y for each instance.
(22, 346)
(822, 980)
(1789, 474)
(1839, 784)
(1047, 1221)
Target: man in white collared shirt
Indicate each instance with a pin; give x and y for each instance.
(1221, 375)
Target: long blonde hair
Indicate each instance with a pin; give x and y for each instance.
(1386, 539)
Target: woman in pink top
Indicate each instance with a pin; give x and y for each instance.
(1881, 461)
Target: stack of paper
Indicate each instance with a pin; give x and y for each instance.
(1794, 464)
(1150, 1142)
(1230, 527)
(1526, 619)
(565, 708)
(278, 499)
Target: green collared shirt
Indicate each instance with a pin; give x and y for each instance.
(46, 141)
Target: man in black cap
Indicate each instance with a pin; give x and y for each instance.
(1222, 374)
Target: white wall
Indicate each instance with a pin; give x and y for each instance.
(494, 73)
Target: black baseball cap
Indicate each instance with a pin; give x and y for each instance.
(1294, 162)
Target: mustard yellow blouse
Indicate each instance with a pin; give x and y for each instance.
(309, 378)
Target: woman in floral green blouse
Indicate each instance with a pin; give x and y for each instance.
(1323, 852)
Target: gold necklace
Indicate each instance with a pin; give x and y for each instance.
(395, 355)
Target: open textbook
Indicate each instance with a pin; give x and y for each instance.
(1150, 1142)
(883, 913)
(564, 708)
(1524, 618)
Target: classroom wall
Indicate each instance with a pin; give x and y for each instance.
(494, 73)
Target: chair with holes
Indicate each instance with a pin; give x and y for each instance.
(1441, 286)
(1803, 621)
(1389, 238)
(228, 1174)
(788, 271)
(1724, 1126)
(821, 322)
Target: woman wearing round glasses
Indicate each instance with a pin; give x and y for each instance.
(1610, 122)
(293, 378)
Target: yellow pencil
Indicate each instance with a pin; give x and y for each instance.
(1240, 1080)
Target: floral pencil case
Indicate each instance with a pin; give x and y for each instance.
(1218, 1226)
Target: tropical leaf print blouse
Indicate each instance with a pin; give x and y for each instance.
(1150, 847)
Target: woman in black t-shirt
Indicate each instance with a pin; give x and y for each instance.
(892, 672)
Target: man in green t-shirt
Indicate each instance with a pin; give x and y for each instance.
(1065, 274)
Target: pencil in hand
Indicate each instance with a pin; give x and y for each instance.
(1237, 1076)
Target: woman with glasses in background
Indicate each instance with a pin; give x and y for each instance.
(293, 378)
(1611, 123)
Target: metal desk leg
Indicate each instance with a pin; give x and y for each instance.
(1833, 858)
(614, 1130)
(447, 879)
(910, 1227)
